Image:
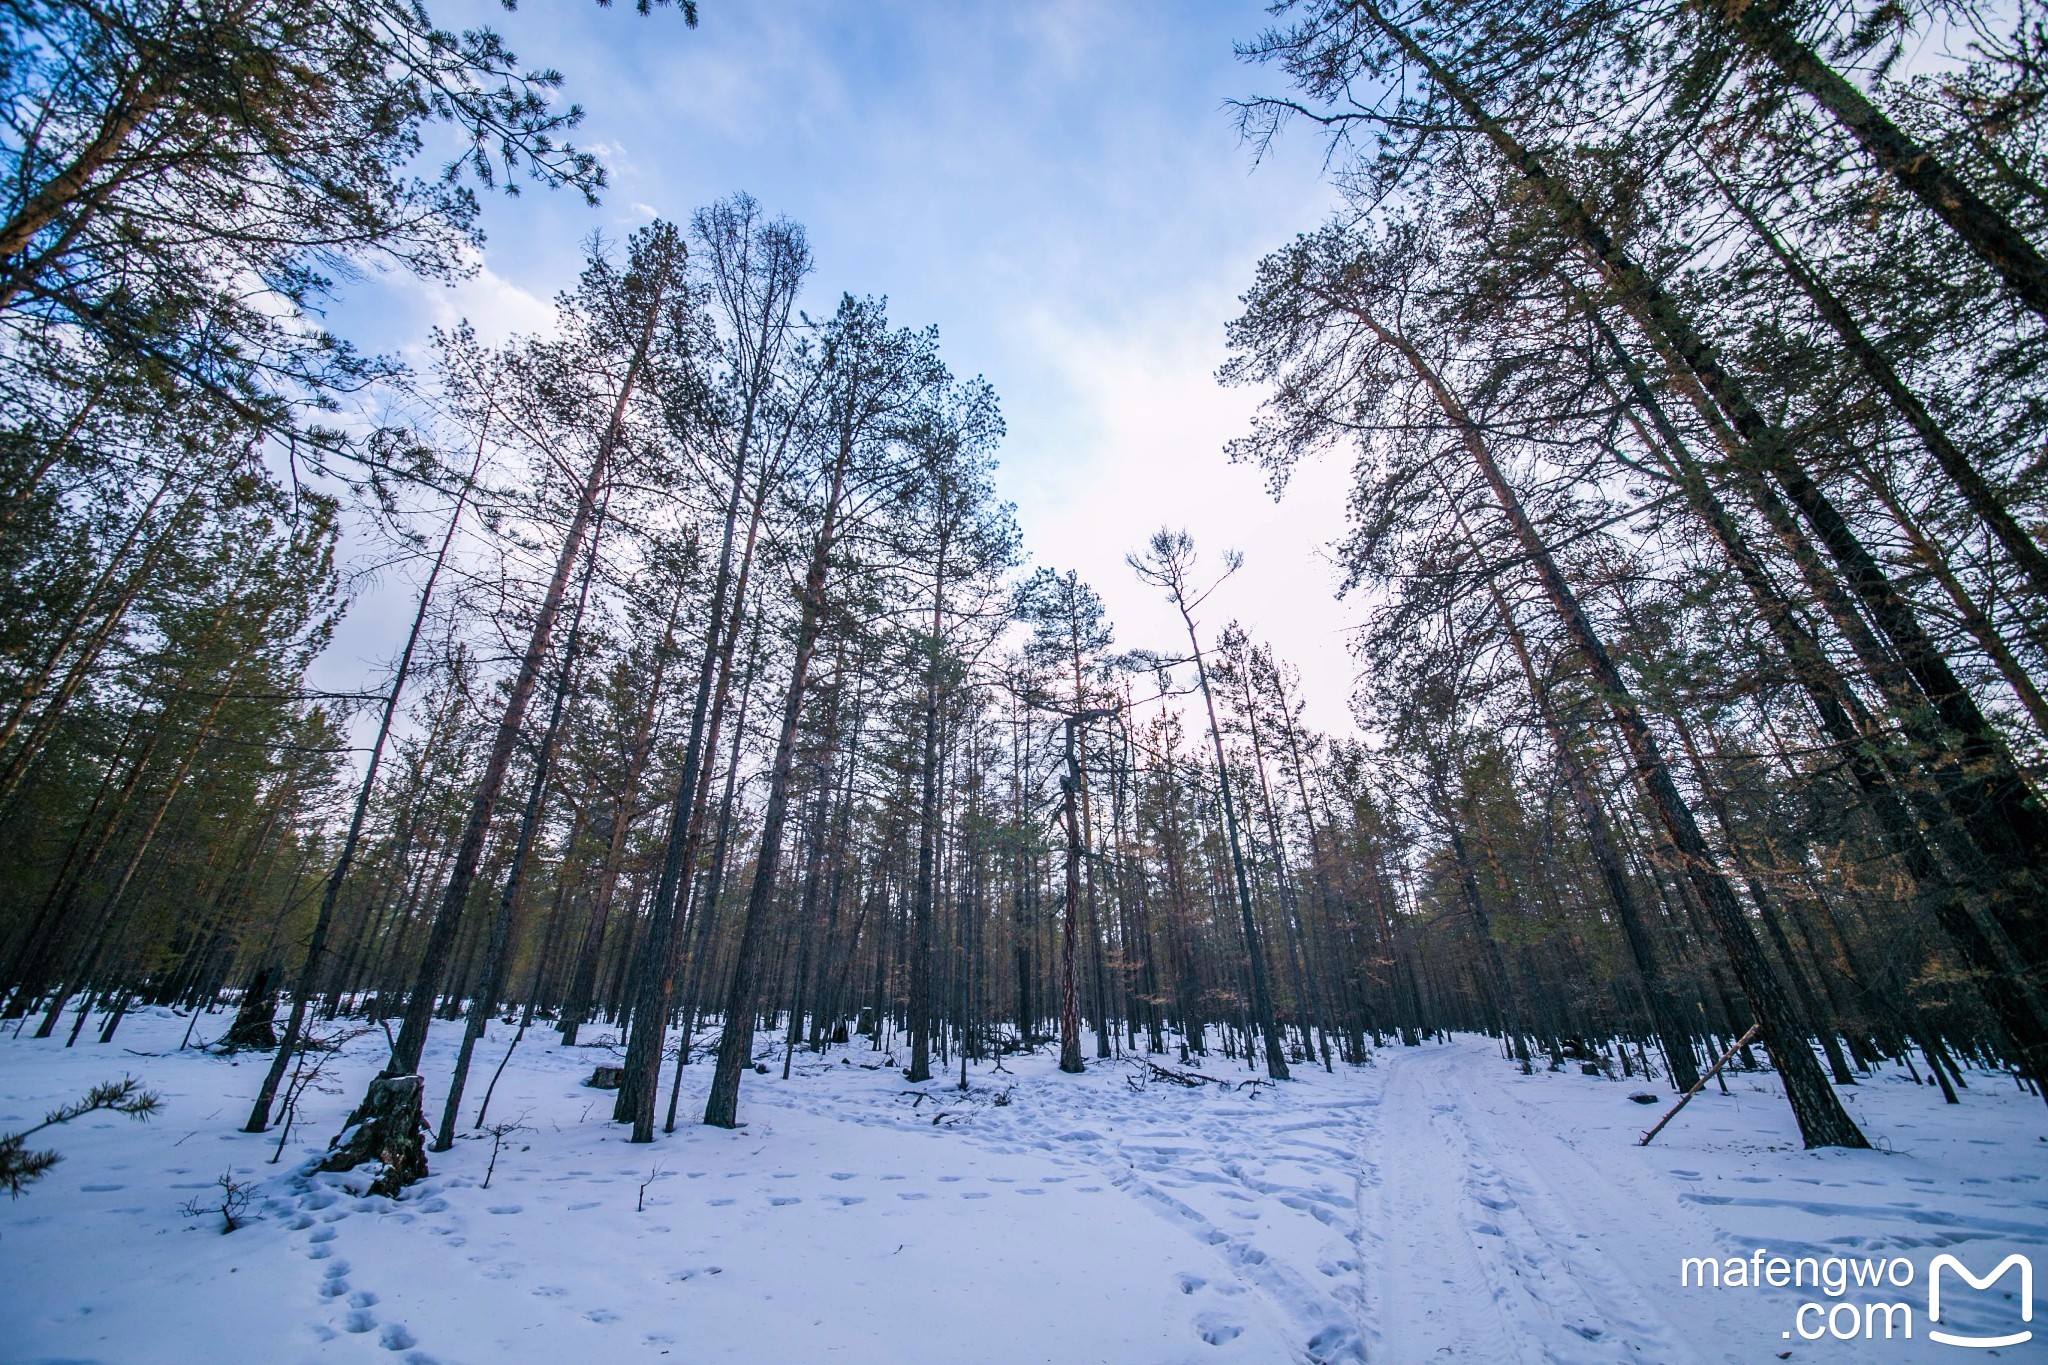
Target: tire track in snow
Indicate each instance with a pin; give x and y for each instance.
(1541, 1257)
(1433, 1295)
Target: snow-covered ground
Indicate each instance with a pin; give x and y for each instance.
(1436, 1205)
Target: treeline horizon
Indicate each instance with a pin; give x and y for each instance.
(1690, 387)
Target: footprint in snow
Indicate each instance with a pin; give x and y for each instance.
(1335, 1342)
(359, 1322)
(508, 1208)
(783, 1199)
(845, 1175)
(911, 1194)
(1218, 1330)
(396, 1338)
(602, 1315)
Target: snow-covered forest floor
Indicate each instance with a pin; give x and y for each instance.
(1435, 1205)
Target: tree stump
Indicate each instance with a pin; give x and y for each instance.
(388, 1130)
(607, 1078)
(255, 1020)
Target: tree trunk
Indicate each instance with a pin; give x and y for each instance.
(721, 1106)
(419, 1007)
(1664, 1017)
(1070, 1002)
(316, 946)
(1822, 1120)
(1261, 997)
(1764, 30)
(485, 1004)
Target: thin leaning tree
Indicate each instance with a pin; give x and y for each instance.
(620, 312)
(1169, 564)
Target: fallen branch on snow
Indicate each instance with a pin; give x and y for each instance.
(1192, 1080)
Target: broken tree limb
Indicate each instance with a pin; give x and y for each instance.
(1740, 1043)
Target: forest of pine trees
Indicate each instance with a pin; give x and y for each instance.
(1687, 357)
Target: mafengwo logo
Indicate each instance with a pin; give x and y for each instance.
(2026, 1300)
(1878, 1311)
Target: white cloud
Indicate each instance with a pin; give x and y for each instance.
(494, 305)
(613, 154)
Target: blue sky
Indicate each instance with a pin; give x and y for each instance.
(1056, 185)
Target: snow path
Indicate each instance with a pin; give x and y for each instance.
(1513, 1247)
(1435, 1206)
